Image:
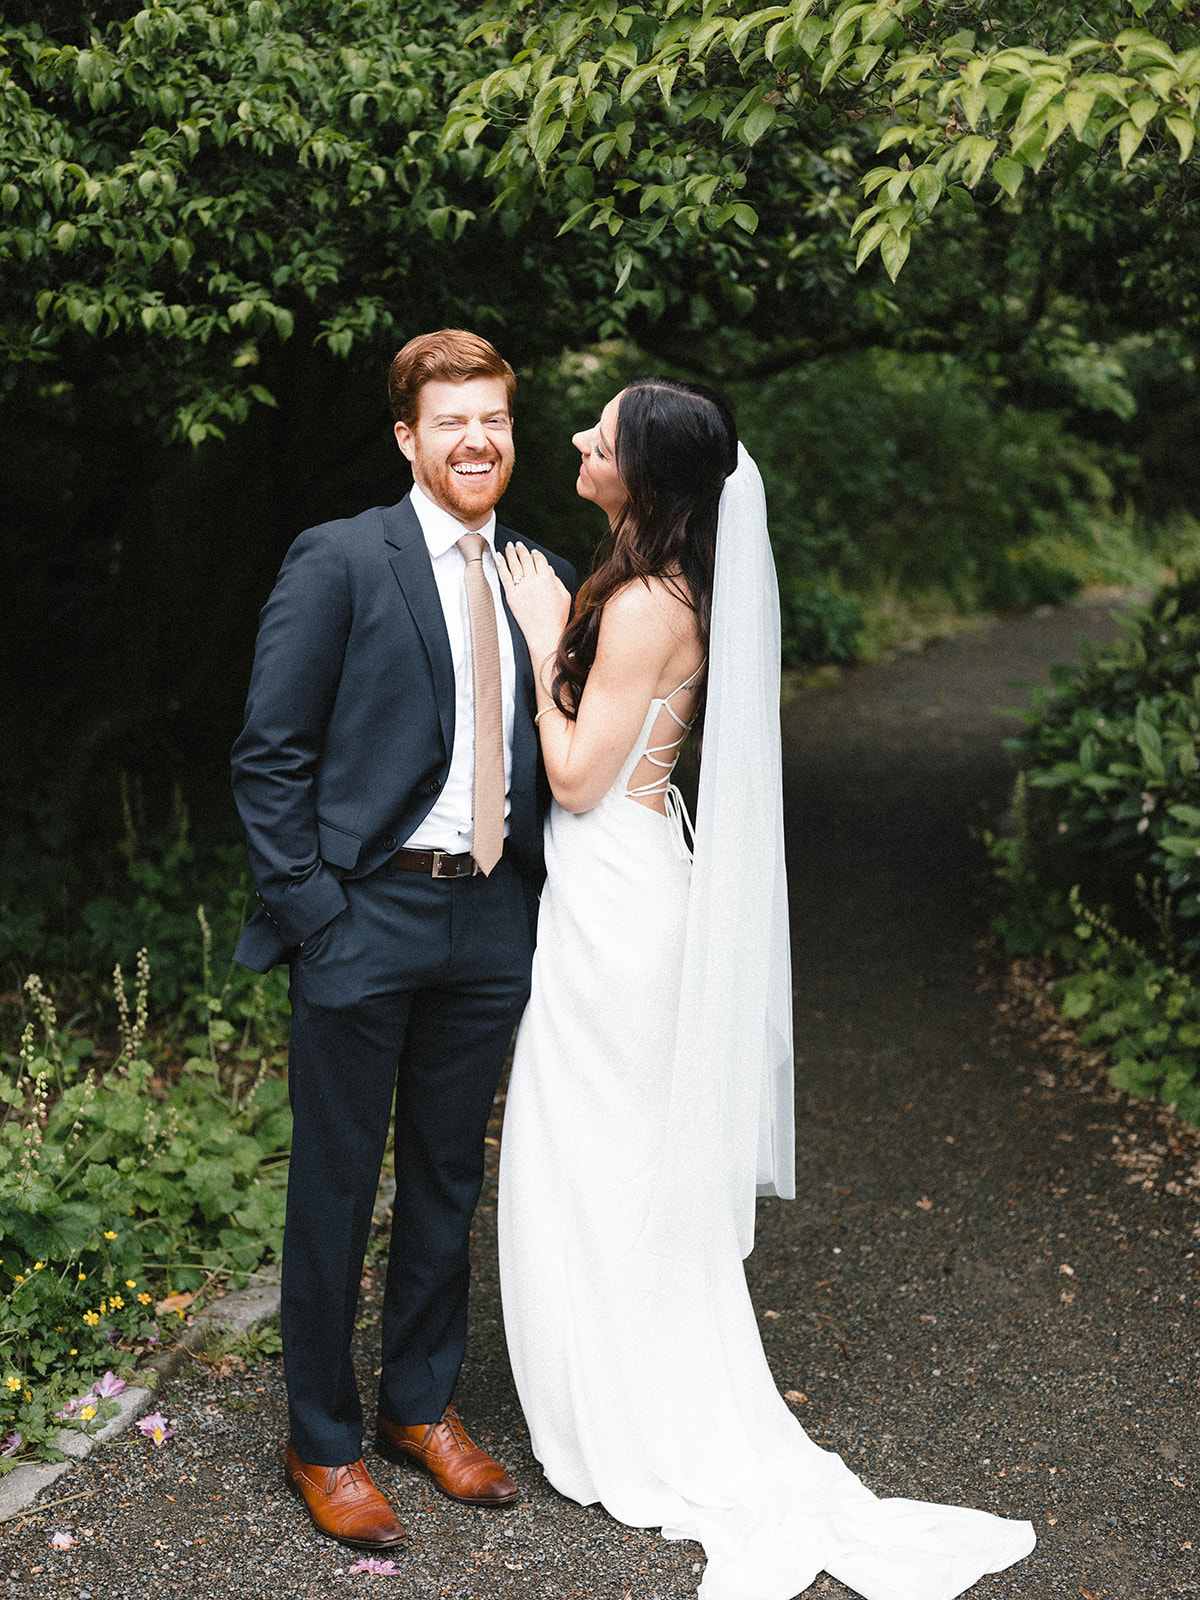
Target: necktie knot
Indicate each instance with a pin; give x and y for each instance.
(472, 546)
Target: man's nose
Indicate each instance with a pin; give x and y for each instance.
(475, 436)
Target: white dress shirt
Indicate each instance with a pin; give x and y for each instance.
(449, 825)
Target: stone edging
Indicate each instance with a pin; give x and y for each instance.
(239, 1312)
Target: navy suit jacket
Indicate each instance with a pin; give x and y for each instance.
(350, 724)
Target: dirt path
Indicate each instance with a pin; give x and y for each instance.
(968, 1298)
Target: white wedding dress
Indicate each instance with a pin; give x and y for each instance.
(633, 1342)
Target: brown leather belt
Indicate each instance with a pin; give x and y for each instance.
(434, 863)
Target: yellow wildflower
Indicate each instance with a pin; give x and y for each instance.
(38, 1265)
(73, 1351)
(83, 1277)
(13, 1383)
(117, 1303)
(144, 1299)
(131, 1283)
(20, 1278)
(90, 1318)
(88, 1413)
(109, 1234)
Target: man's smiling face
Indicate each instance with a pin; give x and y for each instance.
(461, 447)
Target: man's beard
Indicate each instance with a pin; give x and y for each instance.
(463, 496)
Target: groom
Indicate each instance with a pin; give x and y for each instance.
(389, 783)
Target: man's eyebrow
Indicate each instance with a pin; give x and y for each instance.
(461, 416)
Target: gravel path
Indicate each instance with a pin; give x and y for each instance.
(970, 1300)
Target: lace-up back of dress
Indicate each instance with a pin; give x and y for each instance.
(649, 783)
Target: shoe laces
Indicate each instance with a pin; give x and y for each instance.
(458, 1433)
(356, 1476)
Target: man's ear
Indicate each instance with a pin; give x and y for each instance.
(404, 438)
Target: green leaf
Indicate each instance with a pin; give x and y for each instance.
(1076, 1002)
(873, 236)
(757, 123)
(1128, 141)
(1184, 129)
(1078, 105)
(972, 155)
(1009, 174)
(1149, 742)
(1180, 845)
(901, 133)
(894, 249)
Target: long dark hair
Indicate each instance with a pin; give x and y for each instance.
(676, 444)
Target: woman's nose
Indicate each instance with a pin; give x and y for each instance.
(582, 442)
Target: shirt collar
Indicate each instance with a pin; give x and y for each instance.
(441, 530)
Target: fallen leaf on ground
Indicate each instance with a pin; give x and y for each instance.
(174, 1302)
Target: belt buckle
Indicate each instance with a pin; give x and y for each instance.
(448, 855)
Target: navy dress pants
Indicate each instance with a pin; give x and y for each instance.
(410, 995)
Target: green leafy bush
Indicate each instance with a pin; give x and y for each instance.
(1113, 777)
(893, 469)
(118, 1190)
(1147, 1013)
(1108, 816)
(819, 623)
(76, 918)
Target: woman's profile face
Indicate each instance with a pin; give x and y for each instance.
(599, 480)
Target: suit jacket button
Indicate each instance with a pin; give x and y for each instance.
(434, 785)
(389, 843)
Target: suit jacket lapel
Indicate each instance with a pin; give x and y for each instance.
(524, 738)
(410, 562)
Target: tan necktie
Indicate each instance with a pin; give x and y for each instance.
(489, 726)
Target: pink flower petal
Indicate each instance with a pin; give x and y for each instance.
(155, 1427)
(383, 1569)
(109, 1386)
(61, 1541)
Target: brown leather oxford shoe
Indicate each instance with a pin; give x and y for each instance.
(344, 1503)
(459, 1468)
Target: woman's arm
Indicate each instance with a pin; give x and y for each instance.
(637, 641)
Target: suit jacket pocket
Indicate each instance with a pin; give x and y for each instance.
(338, 847)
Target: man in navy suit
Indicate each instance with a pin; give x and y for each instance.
(409, 967)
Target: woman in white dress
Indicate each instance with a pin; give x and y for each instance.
(651, 1093)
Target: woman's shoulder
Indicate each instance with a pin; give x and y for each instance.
(649, 618)
(643, 599)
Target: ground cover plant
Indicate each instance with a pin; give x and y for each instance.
(127, 1188)
(1103, 866)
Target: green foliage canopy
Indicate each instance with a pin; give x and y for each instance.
(184, 189)
(578, 88)
(188, 187)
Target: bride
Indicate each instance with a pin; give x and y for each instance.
(651, 1093)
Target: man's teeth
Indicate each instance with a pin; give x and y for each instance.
(471, 469)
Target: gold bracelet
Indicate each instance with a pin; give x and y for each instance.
(544, 712)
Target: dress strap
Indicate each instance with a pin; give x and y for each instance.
(664, 756)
